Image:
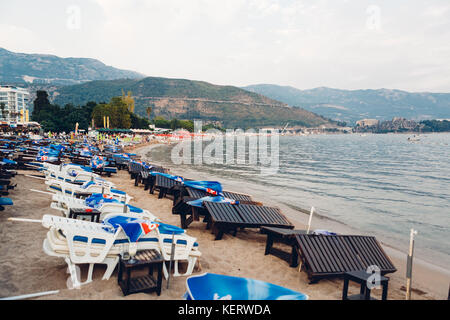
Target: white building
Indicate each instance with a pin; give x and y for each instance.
(13, 104)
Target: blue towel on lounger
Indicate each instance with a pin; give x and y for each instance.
(219, 199)
(212, 187)
(134, 228)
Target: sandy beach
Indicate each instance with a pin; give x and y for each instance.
(27, 269)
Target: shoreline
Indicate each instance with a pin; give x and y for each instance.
(436, 285)
(241, 255)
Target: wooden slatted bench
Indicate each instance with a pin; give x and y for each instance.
(197, 194)
(164, 185)
(225, 217)
(330, 256)
(121, 163)
(134, 168)
(189, 213)
(149, 180)
(142, 177)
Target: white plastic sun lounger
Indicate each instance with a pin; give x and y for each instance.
(74, 190)
(81, 242)
(72, 173)
(64, 203)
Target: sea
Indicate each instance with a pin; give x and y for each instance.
(372, 184)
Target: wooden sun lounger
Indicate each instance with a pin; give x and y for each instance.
(120, 162)
(164, 185)
(224, 217)
(134, 169)
(189, 213)
(330, 256)
(146, 178)
(197, 194)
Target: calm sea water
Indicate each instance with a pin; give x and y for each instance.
(378, 184)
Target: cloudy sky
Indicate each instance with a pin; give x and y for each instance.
(347, 44)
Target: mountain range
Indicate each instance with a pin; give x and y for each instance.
(79, 80)
(227, 106)
(353, 105)
(43, 69)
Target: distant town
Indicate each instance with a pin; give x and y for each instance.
(15, 113)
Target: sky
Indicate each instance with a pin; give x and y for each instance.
(345, 44)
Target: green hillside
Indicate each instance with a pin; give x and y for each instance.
(186, 99)
(48, 69)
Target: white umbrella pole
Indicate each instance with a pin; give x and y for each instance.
(44, 192)
(34, 177)
(31, 295)
(409, 264)
(310, 219)
(24, 220)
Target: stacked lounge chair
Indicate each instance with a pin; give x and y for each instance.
(81, 242)
(77, 187)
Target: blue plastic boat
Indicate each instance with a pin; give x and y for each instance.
(211, 286)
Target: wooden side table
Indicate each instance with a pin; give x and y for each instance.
(93, 213)
(285, 236)
(147, 283)
(361, 277)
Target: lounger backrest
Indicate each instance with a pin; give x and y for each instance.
(183, 245)
(74, 229)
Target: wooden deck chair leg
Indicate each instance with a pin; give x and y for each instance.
(219, 234)
(183, 221)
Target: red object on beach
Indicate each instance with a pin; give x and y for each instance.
(149, 227)
(88, 210)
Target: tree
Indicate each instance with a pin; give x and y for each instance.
(128, 100)
(100, 111)
(41, 103)
(160, 122)
(3, 111)
(138, 122)
(149, 112)
(116, 110)
(120, 113)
